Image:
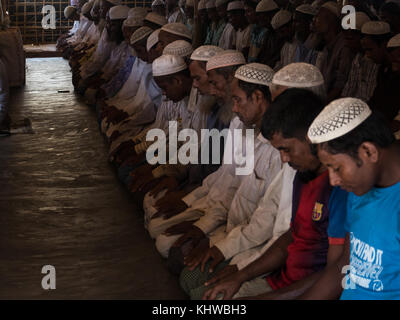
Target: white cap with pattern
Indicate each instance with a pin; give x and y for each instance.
(114, 2)
(69, 11)
(235, 5)
(281, 18)
(226, 58)
(205, 53)
(299, 75)
(332, 7)
(133, 22)
(201, 5)
(210, 4)
(337, 119)
(266, 6)
(140, 34)
(168, 64)
(152, 39)
(156, 19)
(177, 28)
(158, 3)
(180, 48)
(256, 73)
(118, 12)
(140, 12)
(307, 9)
(394, 42)
(375, 28)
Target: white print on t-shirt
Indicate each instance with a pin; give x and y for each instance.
(366, 264)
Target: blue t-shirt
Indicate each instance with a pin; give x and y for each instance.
(373, 222)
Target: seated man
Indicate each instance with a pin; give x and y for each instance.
(362, 157)
(168, 202)
(316, 235)
(236, 15)
(111, 42)
(251, 98)
(225, 63)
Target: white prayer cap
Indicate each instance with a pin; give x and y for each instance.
(332, 7)
(133, 22)
(266, 6)
(337, 119)
(210, 4)
(205, 53)
(87, 7)
(189, 3)
(168, 64)
(158, 3)
(394, 42)
(299, 75)
(256, 73)
(178, 29)
(201, 5)
(306, 9)
(375, 28)
(69, 12)
(114, 2)
(156, 19)
(137, 12)
(118, 12)
(280, 19)
(235, 5)
(180, 48)
(220, 2)
(152, 39)
(226, 58)
(140, 34)
(361, 19)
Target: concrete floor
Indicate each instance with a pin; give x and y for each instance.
(62, 205)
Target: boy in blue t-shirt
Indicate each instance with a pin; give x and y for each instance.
(363, 158)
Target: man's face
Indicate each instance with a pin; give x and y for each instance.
(189, 11)
(297, 153)
(199, 77)
(154, 53)
(395, 59)
(301, 25)
(248, 109)
(218, 85)
(352, 175)
(250, 14)
(203, 14)
(221, 10)
(140, 51)
(95, 13)
(264, 19)
(322, 21)
(172, 87)
(104, 7)
(114, 29)
(352, 39)
(127, 32)
(236, 18)
(373, 50)
(212, 14)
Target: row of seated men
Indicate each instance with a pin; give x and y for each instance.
(297, 195)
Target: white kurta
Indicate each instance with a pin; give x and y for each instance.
(231, 198)
(242, 40)
(228, 36)
(271, 219)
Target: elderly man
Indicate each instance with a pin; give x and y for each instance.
(251, 96)
(362, 157)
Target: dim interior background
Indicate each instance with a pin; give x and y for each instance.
(27, 16)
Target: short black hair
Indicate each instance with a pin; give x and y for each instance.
(374, 129)
(291, 114)
(249, 88)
